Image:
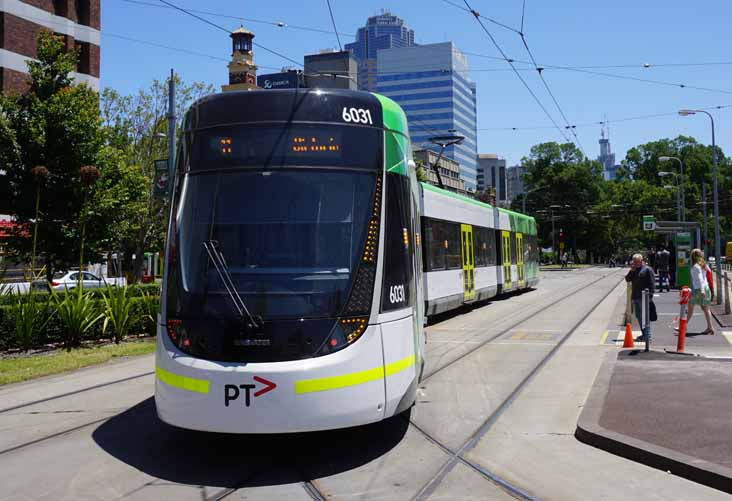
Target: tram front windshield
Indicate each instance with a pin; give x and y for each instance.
(291, 237)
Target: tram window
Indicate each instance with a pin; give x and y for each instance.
(453, 253)
(398, 282)
(434, 236)
(512, 239)
(481, 238)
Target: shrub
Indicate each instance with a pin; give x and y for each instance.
(78, 314)
(150, 305)
(29, 317)
(117, 311)
(135, 291)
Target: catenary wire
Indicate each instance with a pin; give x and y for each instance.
(510, 62)
(335, 30)
(185, 11)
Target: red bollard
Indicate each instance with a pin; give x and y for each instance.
(684, 296)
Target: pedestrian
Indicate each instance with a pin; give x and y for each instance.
(662, 261)
(700, 293)
(563, 259)
(612, 262)
(641, 277)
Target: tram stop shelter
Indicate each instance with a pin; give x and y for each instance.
(683, 234)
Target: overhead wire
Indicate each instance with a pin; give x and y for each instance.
(211, 23)
(510, 62)
(335, 30)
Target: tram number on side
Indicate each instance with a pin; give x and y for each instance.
(396, 294)
(357, 115)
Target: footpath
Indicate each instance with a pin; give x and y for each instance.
(669, 411)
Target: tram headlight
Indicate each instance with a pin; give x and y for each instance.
(177, 333)
(345, 332)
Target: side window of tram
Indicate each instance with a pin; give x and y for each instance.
(397, 285)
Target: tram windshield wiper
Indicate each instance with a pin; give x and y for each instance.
(251, 322)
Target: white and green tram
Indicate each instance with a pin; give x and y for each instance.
(294, 295)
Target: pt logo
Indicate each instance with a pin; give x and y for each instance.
(233, 391)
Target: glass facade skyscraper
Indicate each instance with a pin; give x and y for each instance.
(431, 84)
(383, 31)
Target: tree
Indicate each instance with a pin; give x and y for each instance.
(136, 124)
(55, 124)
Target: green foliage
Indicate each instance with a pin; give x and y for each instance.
(78, 314)
(133, 124)
(30, 317)
(152, 290)
(150, 306)
(117, 311)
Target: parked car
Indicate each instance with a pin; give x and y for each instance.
(64, 280)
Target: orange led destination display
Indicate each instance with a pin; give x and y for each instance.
(323, 143)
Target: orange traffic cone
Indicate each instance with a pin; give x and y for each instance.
(628, 343)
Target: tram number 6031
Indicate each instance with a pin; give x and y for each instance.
(357, 115)
(396, 294)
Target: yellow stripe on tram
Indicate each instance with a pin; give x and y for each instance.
(182, 382)
(335, 382)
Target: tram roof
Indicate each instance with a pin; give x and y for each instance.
(297, 105)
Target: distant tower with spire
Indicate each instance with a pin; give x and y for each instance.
(242, 70)
(607, 157)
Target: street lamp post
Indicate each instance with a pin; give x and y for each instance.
(678, 192)
(715, 194)
(682, 205)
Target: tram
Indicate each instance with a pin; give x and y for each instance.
(294, 296)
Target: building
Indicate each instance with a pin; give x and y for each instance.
(607, 158)
(492, 174)
(383, 31)
(242, 70)
(21, 21)
(430, 83)
(286, 79)
(449, 170)
(331, 69)
(514, 183)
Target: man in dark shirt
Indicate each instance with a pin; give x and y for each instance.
(641, 277)
(662, 261)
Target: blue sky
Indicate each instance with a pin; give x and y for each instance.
(572, 33)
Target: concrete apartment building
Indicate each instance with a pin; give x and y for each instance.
(449, 170)
(492, 173)
(77, 21)
(515, 184)
(331, 70)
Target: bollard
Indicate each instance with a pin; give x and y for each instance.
(719, 288)
(726, 294)
(684, 296)
(628, 304)
(646, 317)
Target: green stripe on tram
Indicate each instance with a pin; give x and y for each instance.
(397, 150)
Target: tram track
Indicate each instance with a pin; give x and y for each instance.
(458, 455)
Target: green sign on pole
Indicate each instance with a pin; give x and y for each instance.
(161, 178)
(649, 223)
(683, 252)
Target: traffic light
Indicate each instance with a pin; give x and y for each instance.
(561, 236)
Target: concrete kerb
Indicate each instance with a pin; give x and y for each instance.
(591, 433)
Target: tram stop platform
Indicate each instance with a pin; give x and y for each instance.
(667, 410)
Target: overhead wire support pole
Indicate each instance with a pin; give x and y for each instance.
(171, 131)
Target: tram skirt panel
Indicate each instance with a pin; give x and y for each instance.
(340, 390)
(400, 364)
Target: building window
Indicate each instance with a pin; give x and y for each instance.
(82, 12)
(84, 63)
(59, 8)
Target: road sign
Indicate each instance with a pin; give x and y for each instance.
(649, 223)
(161, 178)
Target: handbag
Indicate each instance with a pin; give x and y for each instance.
(652, 315)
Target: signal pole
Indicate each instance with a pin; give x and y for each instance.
(171, 131)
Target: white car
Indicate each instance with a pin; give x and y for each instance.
(70, 279)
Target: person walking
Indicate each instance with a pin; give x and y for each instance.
(662, 261)
(564, 259)
(641, 277)
(701, 294)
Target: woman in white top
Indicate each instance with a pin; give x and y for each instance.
(700, 292)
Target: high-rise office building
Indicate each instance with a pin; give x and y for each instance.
(607, 157)
(21, 21)
(514, 183)
(383, 31)
(492, 174)
(431, 84)
(331, 69)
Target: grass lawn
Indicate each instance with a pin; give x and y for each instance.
(13, 370)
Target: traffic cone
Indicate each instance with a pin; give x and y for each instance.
(628, 343)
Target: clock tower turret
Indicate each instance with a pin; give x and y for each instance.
(242, 70)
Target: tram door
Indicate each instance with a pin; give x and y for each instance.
(506, 253)
(520, 258)
(466, 231)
